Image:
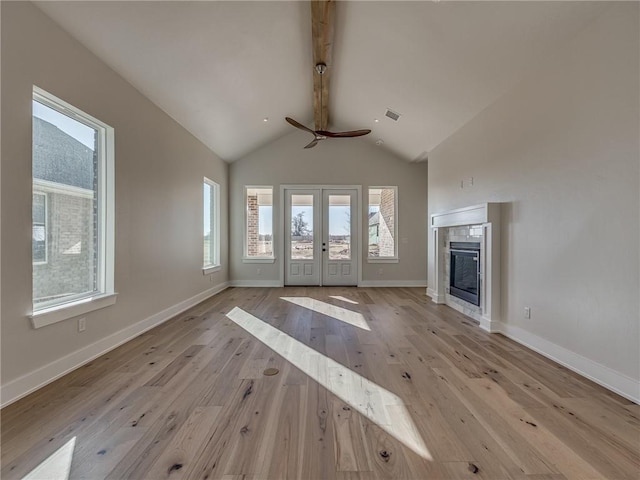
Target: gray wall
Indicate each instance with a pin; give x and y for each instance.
(334, 162)
(159, 173)
(561, 150)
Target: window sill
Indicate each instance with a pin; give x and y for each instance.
(258, 259)
(211, 269)
(383, 260)
(59, 313)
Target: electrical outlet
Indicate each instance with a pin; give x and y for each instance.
(82, 324)
(258, 271)
(470, 181)
(527, 312)
(380, 271)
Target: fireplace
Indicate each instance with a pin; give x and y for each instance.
(476, 223)
(464, 272)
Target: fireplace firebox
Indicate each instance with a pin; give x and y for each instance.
(464, 274)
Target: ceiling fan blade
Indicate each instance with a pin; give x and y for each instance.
(313, 143)
(353, 133)
(291, 121)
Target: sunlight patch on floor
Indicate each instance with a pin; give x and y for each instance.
(347, 316)
(57, 466)
(343, 299)
(379, 405)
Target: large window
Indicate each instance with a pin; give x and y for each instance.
(383, 223)
(259, 223)
(211, 197)
(72, 209)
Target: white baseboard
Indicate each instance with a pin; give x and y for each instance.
(255, 283)
(32, 381)
(489, 325)
(392, 283)
(611, 379)
(435, 297)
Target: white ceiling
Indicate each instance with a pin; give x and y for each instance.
(219, 68)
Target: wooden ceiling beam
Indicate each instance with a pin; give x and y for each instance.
(322, 28)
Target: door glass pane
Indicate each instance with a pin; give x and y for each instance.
(339, 227)
(301, 227)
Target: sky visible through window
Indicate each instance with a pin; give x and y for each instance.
(265, 213)
(81, 132)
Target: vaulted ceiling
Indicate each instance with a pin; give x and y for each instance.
(221, 68)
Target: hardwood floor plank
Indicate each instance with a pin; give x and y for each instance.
(189, 400)
(490, 456)
(522, 452)
(180, 451)
(605, 457)
(61, 422)
(602, 418)
(558, 453)
(95, 459)
(163, 421)
(351, 454)
(463, 471)
(387, 458)
(173, 369)
(318, 459)
(211, 457)
(286, 458)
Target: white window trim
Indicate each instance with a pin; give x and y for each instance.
(263, 259)
(258, 259)
(383, 260)
(46, 224)
(105, 294)
(215, 265)
(211, 269)
(58, 313)
(395, 258)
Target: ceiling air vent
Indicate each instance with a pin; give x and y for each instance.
(392, 115)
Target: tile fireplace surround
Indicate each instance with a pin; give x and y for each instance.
(478, 223)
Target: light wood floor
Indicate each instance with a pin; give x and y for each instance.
(423, 394)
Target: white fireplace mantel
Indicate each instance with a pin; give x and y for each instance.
(488, 216)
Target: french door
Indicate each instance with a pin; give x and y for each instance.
(321, 236)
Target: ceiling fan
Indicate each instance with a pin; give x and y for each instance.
(324, 134)
(322, 14)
